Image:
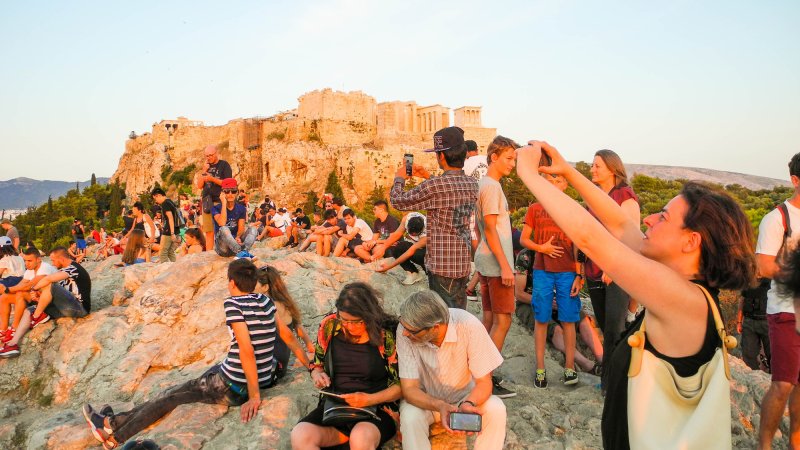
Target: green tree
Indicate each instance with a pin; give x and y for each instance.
(333, 186)
(94, 180)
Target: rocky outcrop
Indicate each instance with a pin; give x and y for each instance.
(158, 325)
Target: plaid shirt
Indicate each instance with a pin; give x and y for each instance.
(450, 201)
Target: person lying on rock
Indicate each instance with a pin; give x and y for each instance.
(446, 361)
(356, 361)
(249, 366)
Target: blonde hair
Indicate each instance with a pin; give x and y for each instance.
(498, 146)
(614, 163)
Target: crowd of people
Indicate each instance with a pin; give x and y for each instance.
(435, 362)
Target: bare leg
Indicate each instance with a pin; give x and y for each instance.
(487, 320)
(339, 247)
(44, 299)
(20, 302)
(5, 310)
(591, 338)
(500, 325)
(569, 344)
(307, 436)
(209, 241)
(558, 343)
(540, 336)
(24, 326)
(794, 418)
(772, 407)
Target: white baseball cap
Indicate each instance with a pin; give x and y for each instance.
(5, 241)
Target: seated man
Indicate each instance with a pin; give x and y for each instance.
(231, 236)
(408, 252)
(19, 296)
(384, 225)
(65, 293)
(325, 235)
(298, 229)
(446, 361)
(356, 233)
(249, 366)
(272, 225)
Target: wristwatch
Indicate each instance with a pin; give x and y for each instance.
(466, 401)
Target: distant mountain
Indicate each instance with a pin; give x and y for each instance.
(20, 193)
(753, 182)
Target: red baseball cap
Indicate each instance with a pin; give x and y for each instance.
(230, 183)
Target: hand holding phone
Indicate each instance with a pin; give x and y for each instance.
(408, 160)
(462, 421)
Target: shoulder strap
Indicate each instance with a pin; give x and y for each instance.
(787, 226)
(637, 340)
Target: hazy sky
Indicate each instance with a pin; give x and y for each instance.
(708, 84)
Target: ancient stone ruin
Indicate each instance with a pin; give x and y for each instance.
(292, 152)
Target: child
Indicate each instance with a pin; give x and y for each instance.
(237, 380)
(555, 268)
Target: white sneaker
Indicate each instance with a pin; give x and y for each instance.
(411, 278)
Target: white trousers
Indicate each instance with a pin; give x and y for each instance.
(415, 424)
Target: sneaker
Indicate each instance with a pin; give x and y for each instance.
(570, 377)
(597, 370)
(7, 351)
(7, 335)
(501, 392)
(97, 424)
(472, 295)
(411, 278)
(41, 318)
(244, 254)
(540, 381)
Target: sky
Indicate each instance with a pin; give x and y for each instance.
(712, 84)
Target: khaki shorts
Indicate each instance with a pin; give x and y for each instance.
(208, 223)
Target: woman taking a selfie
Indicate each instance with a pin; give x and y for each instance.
(700, 242)
(357, 360)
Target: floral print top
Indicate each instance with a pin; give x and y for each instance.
(330, 327)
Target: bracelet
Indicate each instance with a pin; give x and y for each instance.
(466, 401)
(311, 367)
(579, 275)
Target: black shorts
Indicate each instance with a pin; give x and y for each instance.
(355, 242)
(386, 425)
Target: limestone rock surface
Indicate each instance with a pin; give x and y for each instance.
(154, 326)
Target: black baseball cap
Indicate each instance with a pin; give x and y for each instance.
(447, 138)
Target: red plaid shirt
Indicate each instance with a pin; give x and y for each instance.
(450, 202)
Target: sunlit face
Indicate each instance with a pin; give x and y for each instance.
(505, 161)
(32, 262)
(350, 221)
(556, 180)
(666, 232)
(211, 155)
(353, 326)
(332, 221)
(600, 172)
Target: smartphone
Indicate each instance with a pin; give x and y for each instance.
(465, 422)
(545, 160)
(408, 159)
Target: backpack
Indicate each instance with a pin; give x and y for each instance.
(180, 221)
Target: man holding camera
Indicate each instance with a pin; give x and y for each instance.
(210, 180)
(450, 201)
(446, 361)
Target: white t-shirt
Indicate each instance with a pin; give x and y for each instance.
(14, 265)
(44, 269)
(363, 230)
(409, 237)
(476, 167)
(770, 239)
(281, 221)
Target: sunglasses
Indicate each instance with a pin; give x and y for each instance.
(230, 191)
(417, 331)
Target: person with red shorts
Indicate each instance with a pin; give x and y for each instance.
(778, 234)
(494, 257)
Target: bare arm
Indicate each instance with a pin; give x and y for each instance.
(52, 278)
(767, 266)
(419, 398)
(423, 241)
(291, 341)
(493, 241)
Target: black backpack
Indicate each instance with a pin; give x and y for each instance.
(783, 253)
(180, 221)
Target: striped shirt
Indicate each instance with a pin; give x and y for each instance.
(258, 313)
(70, 284)
(449, 372)
(450, 201)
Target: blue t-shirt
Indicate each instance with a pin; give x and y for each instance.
(233, 216)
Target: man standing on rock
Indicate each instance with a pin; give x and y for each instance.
(210, 180)
(778, 234)
(79, 233)
(450, 201)
(170, 235)
(11, 233)
(249, 366)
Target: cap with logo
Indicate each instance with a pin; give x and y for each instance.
(447, 138)
(5, 241)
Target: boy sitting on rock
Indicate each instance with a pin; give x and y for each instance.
(249, 366)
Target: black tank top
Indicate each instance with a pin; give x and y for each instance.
(615, 408)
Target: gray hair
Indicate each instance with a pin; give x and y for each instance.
(424, 309)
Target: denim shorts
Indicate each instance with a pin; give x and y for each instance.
(64, 304)
(546, 285)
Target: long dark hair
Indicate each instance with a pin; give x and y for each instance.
(364, 302)
(727, 256)
(198, 235)
(269, 276)
(135, 243)
(8, 250)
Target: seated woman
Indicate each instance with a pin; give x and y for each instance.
(75, 254)
(136, 252)
(271, 284)
(194, 242)
(700, 242)
(357, 346)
